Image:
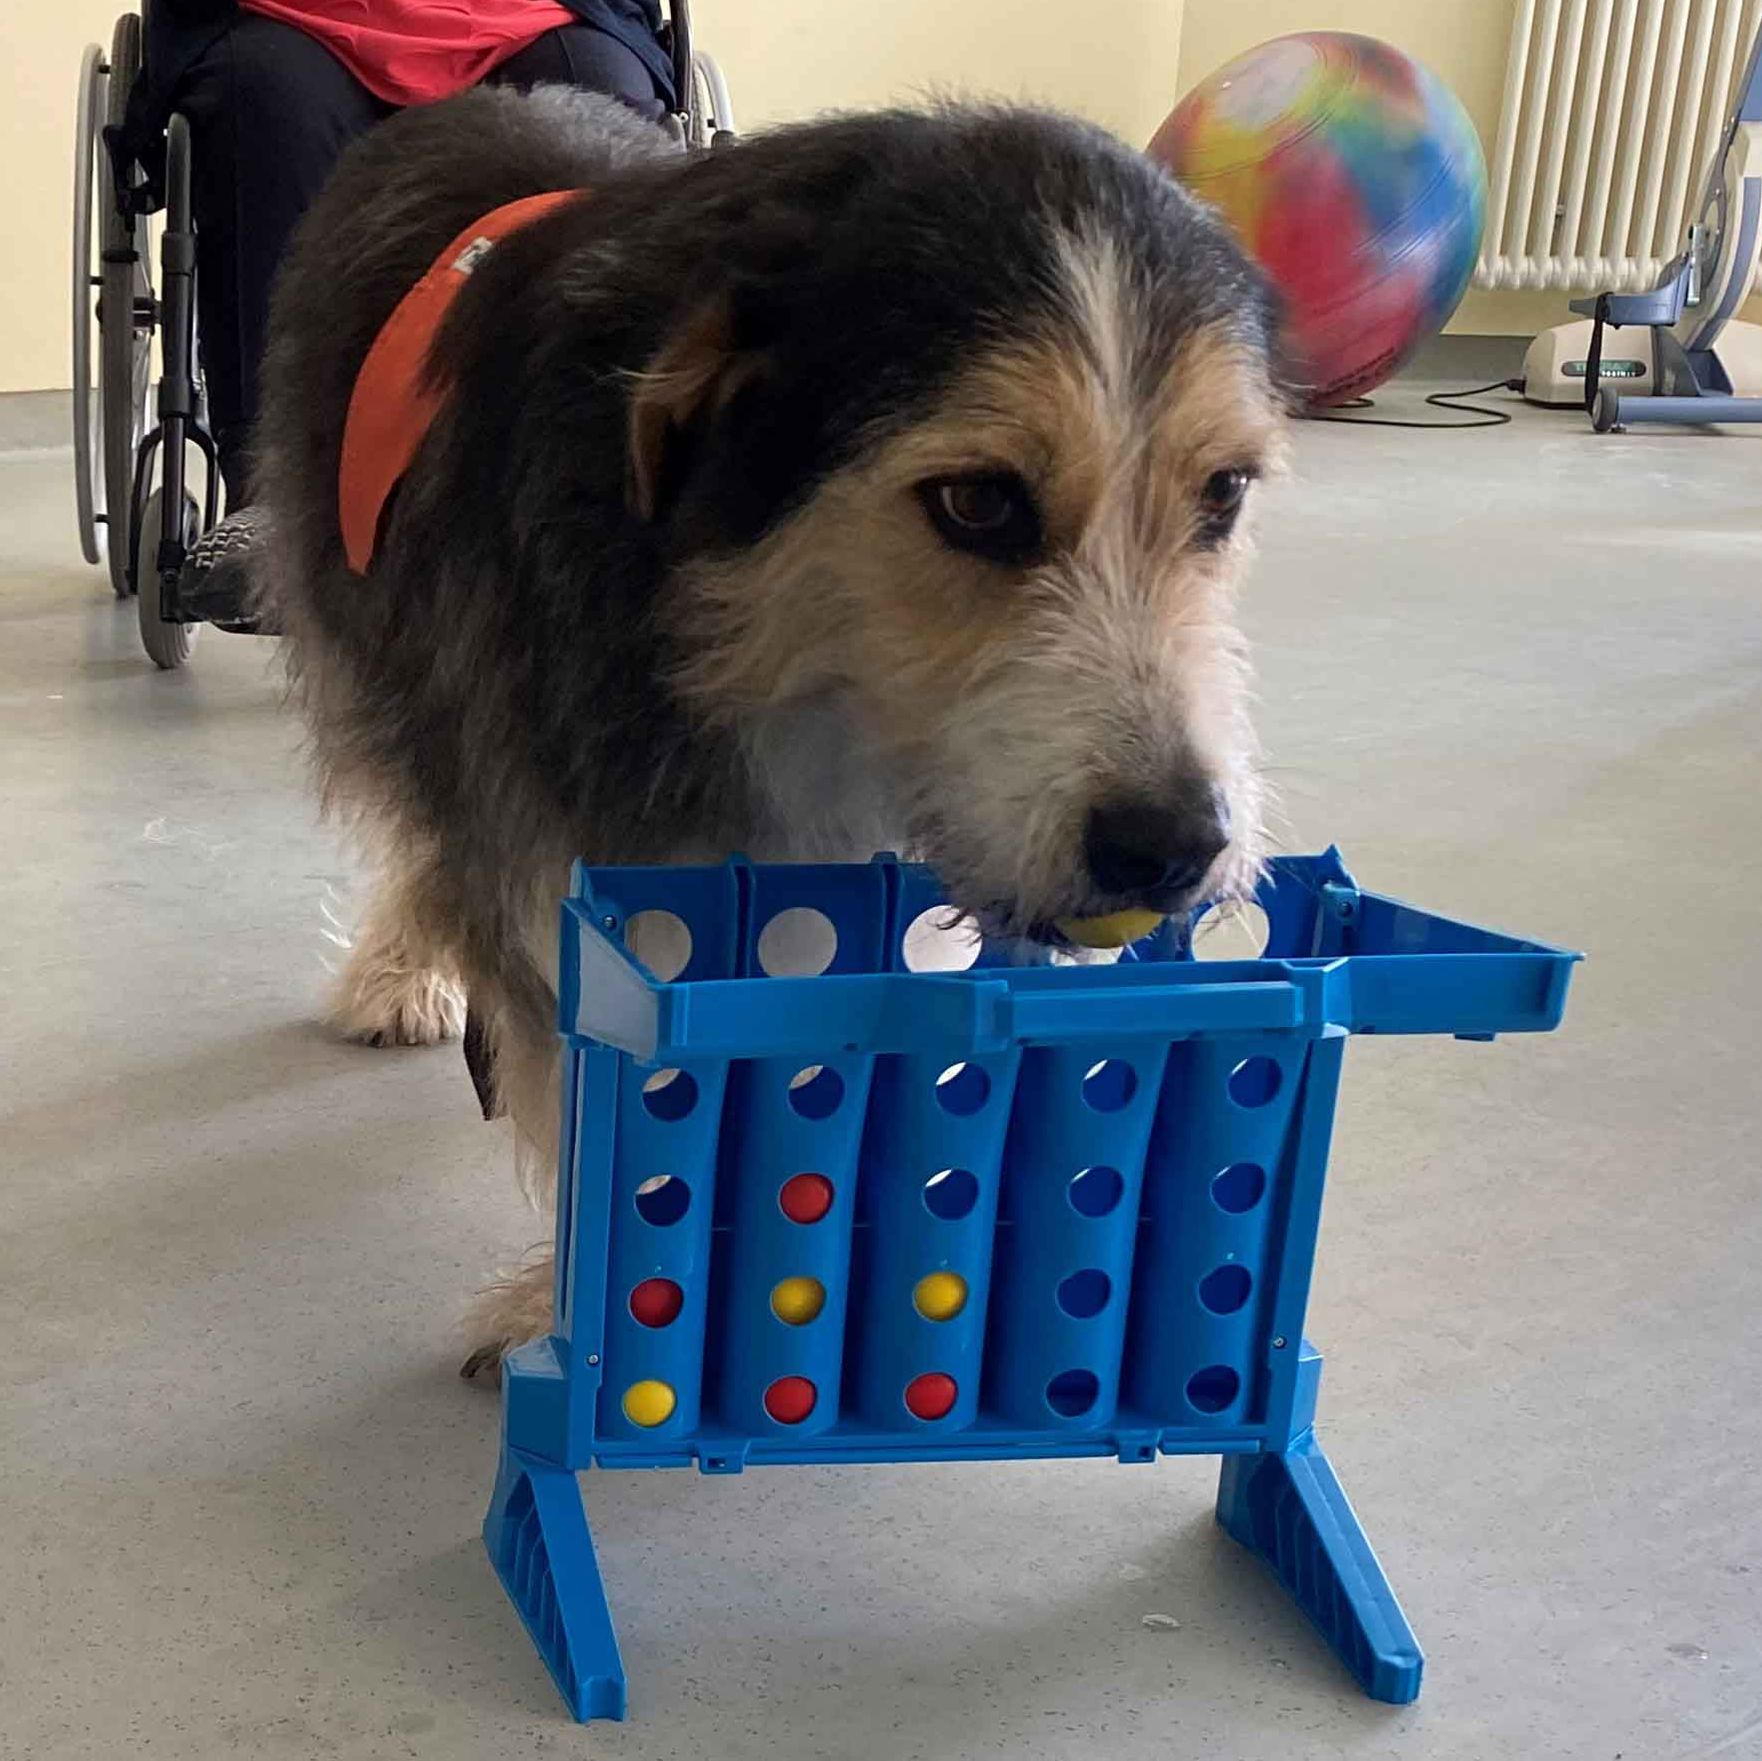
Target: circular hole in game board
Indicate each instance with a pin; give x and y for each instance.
(816, 1091)
(1109, 1085)
(1084, 1294)
(805, 1198)
(940, 940)
(669, 1094)
(1083, 956)
(1226, 1288)
(1232, 932)
(661, 940)
(662, 1200)
(1094, 1192)
(951, 1194)
(798, 943)
(1239, 1187)
(1254, 1082)
(790, 1399)
(1071, 1393)
(656, 1302)
(962, 1089)
(1213, 1388)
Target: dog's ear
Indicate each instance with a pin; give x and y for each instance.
(698, 372)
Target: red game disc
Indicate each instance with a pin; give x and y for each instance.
(656, 1302)
(790, 1399)
(931, 1396)
(805, 1198)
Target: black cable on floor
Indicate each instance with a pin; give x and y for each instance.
(1439, 400)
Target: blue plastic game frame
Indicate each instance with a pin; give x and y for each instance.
(1111, 1176)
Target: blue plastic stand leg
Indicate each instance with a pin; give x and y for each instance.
(538, 1540)
(1289, 1509)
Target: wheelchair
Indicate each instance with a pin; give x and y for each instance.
(135, 495)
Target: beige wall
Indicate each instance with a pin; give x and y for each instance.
(784, 58)
(789, 58)
(40, 43)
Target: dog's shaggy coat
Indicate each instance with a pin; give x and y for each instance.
(869, 484)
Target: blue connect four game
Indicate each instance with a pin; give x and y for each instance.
(1012, 1211)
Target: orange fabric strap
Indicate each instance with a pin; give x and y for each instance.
(395, 400)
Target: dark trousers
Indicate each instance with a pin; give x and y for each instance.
(270, 110)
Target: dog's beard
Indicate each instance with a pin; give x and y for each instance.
(994, 789)
(991, 791)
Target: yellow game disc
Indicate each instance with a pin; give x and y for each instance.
(798, 1300)
(940, 1296)
(1117, 931)
(649, 1403)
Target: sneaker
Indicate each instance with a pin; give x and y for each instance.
(216, 580)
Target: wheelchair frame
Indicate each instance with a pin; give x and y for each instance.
(120, 510)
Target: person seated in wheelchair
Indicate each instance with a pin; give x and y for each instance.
(274, 90)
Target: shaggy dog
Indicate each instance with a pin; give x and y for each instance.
(872, 484)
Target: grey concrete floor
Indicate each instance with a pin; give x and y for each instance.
(1516, 674)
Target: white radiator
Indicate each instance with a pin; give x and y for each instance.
(1610, 122)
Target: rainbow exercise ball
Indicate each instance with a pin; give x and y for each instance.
(1355, 178)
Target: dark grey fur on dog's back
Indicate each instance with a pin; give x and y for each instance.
(407, 674)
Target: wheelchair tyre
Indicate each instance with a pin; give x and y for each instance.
(88, 462)
(125, 322)
(168, 645)
(711, 108)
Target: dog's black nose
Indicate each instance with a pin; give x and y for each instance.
(1155, 852)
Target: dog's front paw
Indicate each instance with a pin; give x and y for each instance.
(509, 1314)
(485, 1360)
(380, 1004)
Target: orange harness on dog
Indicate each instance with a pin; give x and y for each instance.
(396, 400)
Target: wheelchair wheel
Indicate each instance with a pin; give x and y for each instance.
(712, 109)
(168, 645)
(88, 464)
(126, 314)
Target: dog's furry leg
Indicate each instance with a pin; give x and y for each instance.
(527, 1068)
(509, 1314)
(398, 986)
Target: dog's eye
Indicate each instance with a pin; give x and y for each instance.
(1220, 501)
(992, 514)
(977, 506)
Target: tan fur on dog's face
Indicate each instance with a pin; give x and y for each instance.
(1002, 704)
